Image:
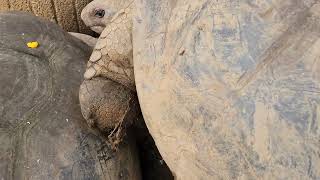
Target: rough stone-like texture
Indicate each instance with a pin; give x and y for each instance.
(42, 132)
(67, 13)
(105, 104)
(230, 89)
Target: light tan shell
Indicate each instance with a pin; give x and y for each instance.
(230, 89)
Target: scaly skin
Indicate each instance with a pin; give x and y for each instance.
(106, 99)
(112, 56)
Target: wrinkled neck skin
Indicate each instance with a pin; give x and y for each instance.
(111, 9)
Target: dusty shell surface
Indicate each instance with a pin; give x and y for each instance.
(42, 132)
(231, 89)
(66, 13)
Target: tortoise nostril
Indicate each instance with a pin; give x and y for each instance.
(99, 13)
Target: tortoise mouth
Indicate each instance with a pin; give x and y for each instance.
(97, 29)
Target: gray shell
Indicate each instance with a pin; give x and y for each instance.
(42, 132)
(66, 13)
(231, 89)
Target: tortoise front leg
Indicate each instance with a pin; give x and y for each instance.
(112, 56)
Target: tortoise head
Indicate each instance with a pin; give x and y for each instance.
(98, 14)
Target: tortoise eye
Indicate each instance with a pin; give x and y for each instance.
(99, 13)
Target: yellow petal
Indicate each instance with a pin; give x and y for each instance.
(33, 44)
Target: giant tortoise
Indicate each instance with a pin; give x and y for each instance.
(228, 89)
(42, 132)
